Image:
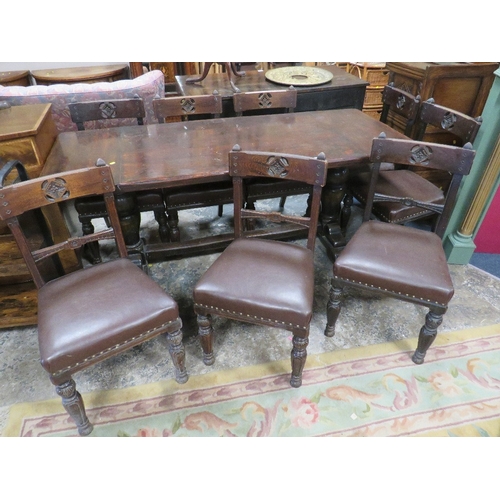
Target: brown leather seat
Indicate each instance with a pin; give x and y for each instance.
(406, 263)
(264, 281)
(93, 313)
(233, 284)
(84, 325)
(409, 271)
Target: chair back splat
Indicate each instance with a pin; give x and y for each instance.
(82, 112)
(257, 100)
(96, 312)
(259, 280)
(462, 127)
(457, 161)
(400, 103)
(252, 164)
(402, 262)
(185, 107)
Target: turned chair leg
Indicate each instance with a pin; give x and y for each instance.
(178, 355)
(73, 404)
(333, 309)
(298, 356)
(206, 334)
(220, 211)
(161, 218)
(426, 336)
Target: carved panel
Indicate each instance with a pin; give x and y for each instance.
(448, 121)
(265, 100)
(277, 166)
(420, 155)
(188, 105)
(108, 110)
(55, 189)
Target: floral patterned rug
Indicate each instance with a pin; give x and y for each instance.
(367, 391)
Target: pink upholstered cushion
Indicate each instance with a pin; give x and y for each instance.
(146, 86)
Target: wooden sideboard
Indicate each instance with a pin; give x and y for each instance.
(460, 86)
(463, 87)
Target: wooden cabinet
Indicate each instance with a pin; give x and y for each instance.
(460, 86)
(27, 134)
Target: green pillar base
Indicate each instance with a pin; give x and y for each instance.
(458, 248)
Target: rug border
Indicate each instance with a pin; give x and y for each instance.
(98, 398)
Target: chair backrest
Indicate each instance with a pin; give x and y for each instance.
(106, 110)
(23, 197)
(251, 164)
(264, 100)
(463, 127)
(166, 107)
(455, 160)
(400, 103)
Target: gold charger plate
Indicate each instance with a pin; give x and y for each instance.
(299, 75)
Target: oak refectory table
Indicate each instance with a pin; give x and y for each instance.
(194, 152)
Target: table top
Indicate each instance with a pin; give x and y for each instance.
(256, 80)
(9, 76)
(80, 74)
(22, 121)
(193, 152)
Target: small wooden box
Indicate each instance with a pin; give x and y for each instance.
(27, 134)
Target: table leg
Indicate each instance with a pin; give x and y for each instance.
(130, 221)
(331, 228)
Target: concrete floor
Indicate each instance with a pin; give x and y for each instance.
(365, 319)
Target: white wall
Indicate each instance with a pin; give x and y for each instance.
(15, 66)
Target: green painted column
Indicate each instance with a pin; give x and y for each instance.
(479, 187)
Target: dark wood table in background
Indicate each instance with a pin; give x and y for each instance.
(179, 154)
(343, 91)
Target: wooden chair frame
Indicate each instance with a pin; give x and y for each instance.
(456, 160)
(250, 164)
(32, 195)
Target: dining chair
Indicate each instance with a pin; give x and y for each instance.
(258, 102)
(196, 196)
(399, 110)
(263, 281)
(400, 184)
(94, 207)
(97, 312)
(405, 263)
